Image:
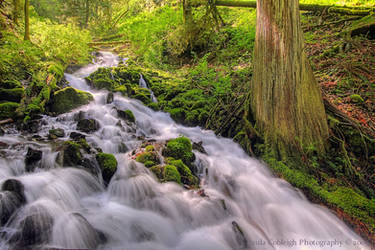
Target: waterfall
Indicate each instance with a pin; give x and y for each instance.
(244, 207)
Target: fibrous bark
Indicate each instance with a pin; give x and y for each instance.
(27, 21)
(285, 99)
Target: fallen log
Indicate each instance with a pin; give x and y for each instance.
(108, 43)
(347, 10)
(9, 120)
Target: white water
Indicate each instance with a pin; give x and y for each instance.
(135, 212)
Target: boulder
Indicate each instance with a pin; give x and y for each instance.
(72, 155)
(108, 165)
(88, 125)
(9, 203)
(126, 115)
(15, 186)
(180, 149)
(68, 99)
(110, 98)
(33, 156)
(55, 133)
(77, 136)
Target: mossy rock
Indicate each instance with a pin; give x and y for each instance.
(102, 79)
(12, 95)
(180, 149)
(72, 154)
(68, 99)
(150, 148)
(8, 110)
(171, 174)
(126, 115)
(364, 26)
(148, 157)
(55, 133)
(108, 165)
(186, 175)
(88, 125)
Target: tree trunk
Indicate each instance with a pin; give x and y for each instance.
(285, 99)
(27, 21)
(87, 17)
(16, 10)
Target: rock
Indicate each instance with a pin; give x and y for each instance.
(88, 125)
(12, 95)
(180, 149)
(8, 109)
(35, 228)
(32, 157)
(80, 115)
(68, 99)
(108, 165)
(55, 133)
(77, 136)
(15, 186)
(31, 126)
(9, 203)
(2, 131)
(199, 147)
(186, 175)
(171, 174)
(151, 158)
(72, 155)
(126, 115)
(110, 98)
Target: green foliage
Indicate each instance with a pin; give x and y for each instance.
(108, 165)
(148, 157)
(186, 176)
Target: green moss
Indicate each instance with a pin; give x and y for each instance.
(12, 95)
(148, 157)
(186, 176)
(149, 164)
(158, 171)
(8, 109)
(172, 174)
(69, 98)
(181, 149)
(102, 79)
(108, 165)
(72, 154)
(57, 70)
(150, 148)
(356, 98)
(126, 115)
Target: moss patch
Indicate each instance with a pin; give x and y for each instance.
(108, 165)
(12, 95)
(126, 115)
(8, 110)
(171, 174)
(180, 148)
(68, 99)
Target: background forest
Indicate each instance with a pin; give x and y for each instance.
(201, 74)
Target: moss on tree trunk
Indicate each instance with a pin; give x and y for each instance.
(285, 99)
(27, 21)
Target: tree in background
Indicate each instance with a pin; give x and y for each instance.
(285, 99)
(16, 11)
(27, 21)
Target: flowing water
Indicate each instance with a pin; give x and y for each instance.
(244, 206)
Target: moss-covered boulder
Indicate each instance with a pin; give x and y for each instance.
(8, 109)
(108, 165)
(68, 99)
(55, 133)
(186, 176)
(88, 125)
(180, 148)
(151, 158)
(72, 155)
(12, 95)
(126, 115)
(171, 174)
(102, 79)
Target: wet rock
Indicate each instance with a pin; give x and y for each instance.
(80, 116)
(72, 155)
(88, 125)
(15, 186)
(9, 203)
(31, 126)
(180, 149)
(2, 132)
(68, 99)
(126, 115)
(55, 133)
(240, 236)
(110, 98)
(91, 166)
(77, 136)
(35, 229)
(33, 156)
(108, 165)
(199, 147)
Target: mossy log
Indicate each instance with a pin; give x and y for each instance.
(346, 10)
(108, 43)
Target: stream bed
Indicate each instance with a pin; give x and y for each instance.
(244, 206)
